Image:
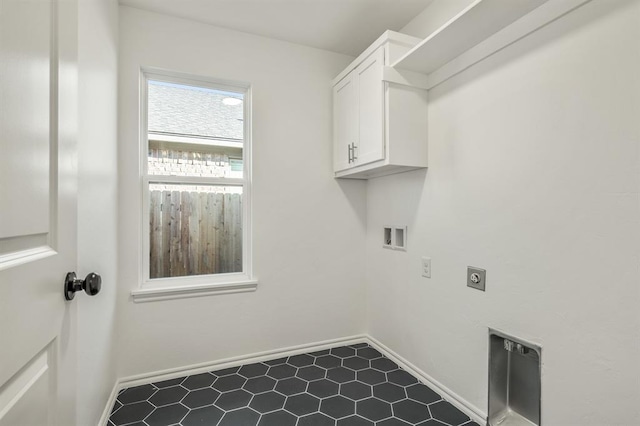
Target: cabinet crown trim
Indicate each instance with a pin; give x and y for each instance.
(387, 37)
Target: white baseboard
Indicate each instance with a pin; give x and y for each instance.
(470, 410)
(172, 373)
(110, 402)
(460, 403)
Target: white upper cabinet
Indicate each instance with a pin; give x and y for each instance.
(379, 122)
(345, 121)
(380, 99)
(370, 119)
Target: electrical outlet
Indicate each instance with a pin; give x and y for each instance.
(476, 278)
(426, 267)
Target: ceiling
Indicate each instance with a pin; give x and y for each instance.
(343, 26)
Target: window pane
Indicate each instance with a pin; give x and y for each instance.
(194, 229)
(179, 109)
(185, 159)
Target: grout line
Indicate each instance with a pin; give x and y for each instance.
(174, 373)
(448, 395)
(234, 363)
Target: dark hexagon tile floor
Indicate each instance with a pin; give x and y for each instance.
(347, 386)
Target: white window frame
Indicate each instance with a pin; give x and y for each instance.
(195, 285)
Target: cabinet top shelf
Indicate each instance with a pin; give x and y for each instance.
(475, 23)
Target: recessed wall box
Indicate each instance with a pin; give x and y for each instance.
(400, 240)
(387, 237)
(514, 381)
(394, 237)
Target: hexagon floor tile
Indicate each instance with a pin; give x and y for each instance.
(346, 386)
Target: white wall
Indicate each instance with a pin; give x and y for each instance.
(534, 172)
(309, 229)
(97, 202)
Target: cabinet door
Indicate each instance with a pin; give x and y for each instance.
(370, 120)
(344, 122)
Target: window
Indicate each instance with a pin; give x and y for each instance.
(196, 181)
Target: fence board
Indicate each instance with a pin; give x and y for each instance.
(195, 233)
(204, 238)
(174, 247)
(237, 231)
(155, 203)
(184, 232)
(194, 240)
(216, 234)
(165, 253)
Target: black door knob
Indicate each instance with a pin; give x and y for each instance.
(91, 285)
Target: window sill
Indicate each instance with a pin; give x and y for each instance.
(152, 294)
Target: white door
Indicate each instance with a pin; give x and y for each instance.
(370, 95)
(344, 122)
(38, 40)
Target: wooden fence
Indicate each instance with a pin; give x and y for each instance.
(195, 233)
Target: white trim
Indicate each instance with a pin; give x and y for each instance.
(201, 285)
(143, 170)
(168, 76)
(193, 180)
(151, 294)
(387, 36)
(194, 140)
(236, 361)
(21, 257)
(476, 414)
(172, 373)
(55, 132)
(196, 281)
(17, 386)
(104, 418)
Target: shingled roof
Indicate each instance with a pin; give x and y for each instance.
(193, 111)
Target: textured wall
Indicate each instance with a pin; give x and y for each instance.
(309, 229)
(534, 167)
